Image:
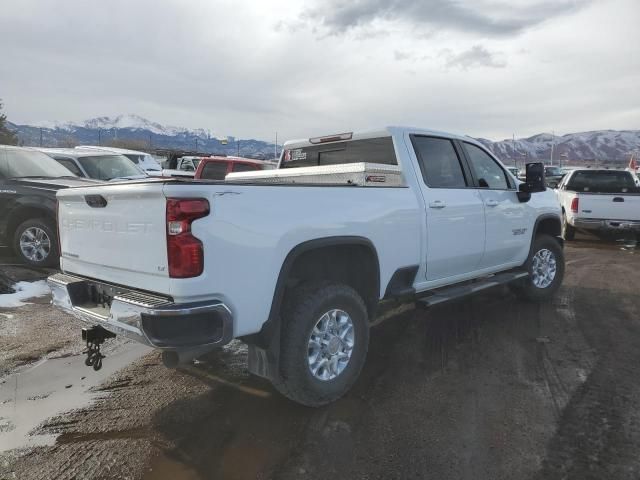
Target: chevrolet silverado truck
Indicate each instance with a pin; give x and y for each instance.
(299, 261)
(599, 201)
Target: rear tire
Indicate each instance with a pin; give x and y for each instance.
(35, 242)
(546, 270)
(568, 231)
(313, 368)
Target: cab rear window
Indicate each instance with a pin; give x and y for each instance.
(602, 182)
(371, 150)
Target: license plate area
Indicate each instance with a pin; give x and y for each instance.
(93, 295)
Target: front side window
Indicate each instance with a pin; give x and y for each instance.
(490, 174)
(370, 150)
(439, 162)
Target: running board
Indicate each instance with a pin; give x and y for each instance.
(446, 294)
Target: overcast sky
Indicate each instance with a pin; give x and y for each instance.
(247, 68)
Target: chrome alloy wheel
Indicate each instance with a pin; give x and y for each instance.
(331, 345)
(543, 268)
(35, 244)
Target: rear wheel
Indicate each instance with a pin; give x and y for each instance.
(546, 270)
(324, 343)
(568, 231)
(35, 242)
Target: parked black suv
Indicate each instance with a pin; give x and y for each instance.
(28, 184)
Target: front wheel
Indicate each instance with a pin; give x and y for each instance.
(324, 343)
(546, 270)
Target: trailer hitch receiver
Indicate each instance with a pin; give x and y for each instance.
(95, 336)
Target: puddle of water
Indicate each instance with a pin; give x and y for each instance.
(49, 388)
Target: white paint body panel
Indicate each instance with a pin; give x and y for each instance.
(252, 228)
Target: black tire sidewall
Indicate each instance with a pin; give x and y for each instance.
(302, 312)
(53, 258)
(544, 242)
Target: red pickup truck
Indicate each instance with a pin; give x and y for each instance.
(216, 168)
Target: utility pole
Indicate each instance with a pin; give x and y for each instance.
(275, 148)
(41, 137)
(553, 144)
(238, 143)
(149, 141)
(196, 144)
(513, 148)
(99, 137)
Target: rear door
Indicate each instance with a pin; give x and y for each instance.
(454, 209)
(506, 217)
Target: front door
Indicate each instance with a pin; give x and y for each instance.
(454, 209)
(507, 235)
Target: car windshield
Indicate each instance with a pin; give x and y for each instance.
(602, 182)
(27, 163)
(553, 171)
(108, 167)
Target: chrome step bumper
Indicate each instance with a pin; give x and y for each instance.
(150, 319)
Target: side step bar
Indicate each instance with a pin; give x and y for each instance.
(446, 294)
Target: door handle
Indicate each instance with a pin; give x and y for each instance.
(491, 203)
(437, 204)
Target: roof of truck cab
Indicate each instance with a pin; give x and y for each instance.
(111, 149)
(76, 152)
(382, 132)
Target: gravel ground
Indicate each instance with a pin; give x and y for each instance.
(488, 387)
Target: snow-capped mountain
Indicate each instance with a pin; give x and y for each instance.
(134, 131)
(129, 121)
(600, 145)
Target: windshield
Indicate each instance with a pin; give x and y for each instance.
(108, 167)
(27, 163)
(553, 171)
(373, 150)
(602, 182)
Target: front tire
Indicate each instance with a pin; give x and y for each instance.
(35, 242)
(324, 342)
(546, 270)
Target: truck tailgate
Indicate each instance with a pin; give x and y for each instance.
(609, 206)
(115, 233)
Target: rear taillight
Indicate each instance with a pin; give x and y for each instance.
(574, 205)
(184, 251)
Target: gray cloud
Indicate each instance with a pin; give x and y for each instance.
(476, 56)
(494, 19)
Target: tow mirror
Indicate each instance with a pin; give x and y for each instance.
(534, 181)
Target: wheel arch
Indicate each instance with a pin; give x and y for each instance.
(316, 252)
(548, 224)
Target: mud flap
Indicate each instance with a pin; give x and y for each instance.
(260, 363)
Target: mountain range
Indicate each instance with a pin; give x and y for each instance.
(134, 130)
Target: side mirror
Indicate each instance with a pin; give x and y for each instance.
(534, 181)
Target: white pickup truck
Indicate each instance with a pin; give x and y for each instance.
(297, 262)
(599, 200)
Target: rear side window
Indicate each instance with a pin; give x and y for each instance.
(439, 162)
(490, 174)
(371, 150)
(244, 167)
(69, 165)
(214, 171)
(602, 182)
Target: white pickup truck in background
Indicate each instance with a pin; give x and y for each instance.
(599, 200)
(297, 262)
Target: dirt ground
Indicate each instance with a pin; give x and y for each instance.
(485, 388)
